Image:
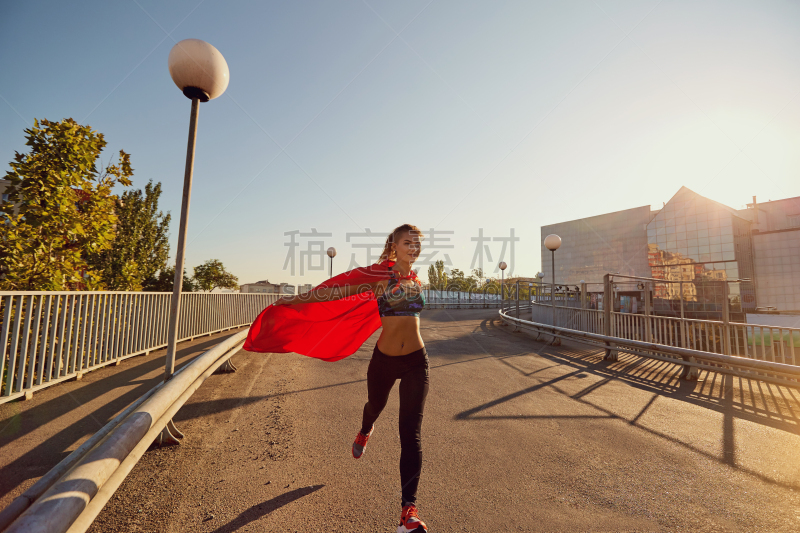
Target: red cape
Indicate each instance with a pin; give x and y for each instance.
(325, 330)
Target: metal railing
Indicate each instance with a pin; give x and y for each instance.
(750, 367)
(480, 298)
(71, 495)
(49, 337)
(754, 341)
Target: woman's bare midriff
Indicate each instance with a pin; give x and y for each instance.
(400, 335)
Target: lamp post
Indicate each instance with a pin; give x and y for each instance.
(200, 71)
(552, 243)
(539, 275)
(503, 267)
(331, 254)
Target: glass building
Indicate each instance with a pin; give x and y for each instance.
(693, 243)
(698, 242)
(591, 247)
(776, 252)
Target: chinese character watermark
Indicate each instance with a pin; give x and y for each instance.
(373, 248)
(312, 258)
(482, 248)
(307, 250)
(434, 243)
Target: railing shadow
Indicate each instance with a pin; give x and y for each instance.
(733, 397)
(756, 401)
(46, 454)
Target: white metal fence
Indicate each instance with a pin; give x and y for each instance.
(756, 367)
(49, 337)
(440, 298)
(71, 495)
(760, 342)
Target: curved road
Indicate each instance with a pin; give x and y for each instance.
(518, 436)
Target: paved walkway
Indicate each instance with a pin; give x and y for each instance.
(518, 436)
(36, 434)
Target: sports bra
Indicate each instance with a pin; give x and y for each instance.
(399, 299)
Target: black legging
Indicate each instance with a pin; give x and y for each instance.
(412, 371)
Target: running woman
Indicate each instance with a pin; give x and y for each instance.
(398, 355)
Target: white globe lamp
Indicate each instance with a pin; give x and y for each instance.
(331, 254)
(553, 242)
(502, 266)
(198, 69)
(201, 73)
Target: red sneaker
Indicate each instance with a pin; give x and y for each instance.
(409, 521)
(361, 443)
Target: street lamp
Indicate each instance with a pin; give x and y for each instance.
(503, 267)
(331, 254)
(552, 243)
(200, 71)
(540, 275)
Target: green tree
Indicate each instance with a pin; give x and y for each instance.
(65, 208)
(164, 281)
(437, 277)
(459, 281)
(456, 280)
(477, 277)
(433, 280)
(212, 274)
(141, 246)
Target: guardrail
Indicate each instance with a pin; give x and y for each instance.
(71, 495)
(439, 299)
(746, 367)
(467, 305)
(754, 341)
(50, 337)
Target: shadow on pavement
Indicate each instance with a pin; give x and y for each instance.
(733, 397)
(200, 409)
(66, 397)
(264, 508)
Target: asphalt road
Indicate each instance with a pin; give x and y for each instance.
(518, 436)
(36, 434)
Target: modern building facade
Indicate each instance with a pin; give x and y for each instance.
(776, 252)
(593, 246)
(694, 242)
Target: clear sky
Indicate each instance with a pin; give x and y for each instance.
(453, 115)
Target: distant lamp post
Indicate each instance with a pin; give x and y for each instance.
(503, 266)
(200, 71)
(553, 243)
(331, 254)
(540, 275)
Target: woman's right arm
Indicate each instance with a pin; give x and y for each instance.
(327, 294)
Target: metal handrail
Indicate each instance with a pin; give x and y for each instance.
(674, 318)
(779, 373)
(92, 473)
(488, 304)
(665, 317)
(547, 303)
(50, 337)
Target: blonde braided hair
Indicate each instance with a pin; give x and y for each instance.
(388, 254)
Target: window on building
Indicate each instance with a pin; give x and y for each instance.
(794, 220)
(5, 198)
